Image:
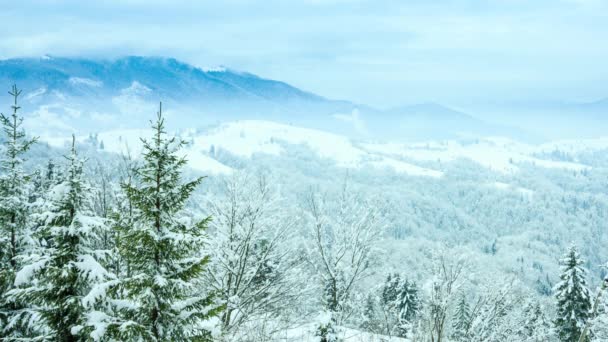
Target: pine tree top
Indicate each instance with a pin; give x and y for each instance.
(16, 143)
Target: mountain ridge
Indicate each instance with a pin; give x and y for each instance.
(82, 90)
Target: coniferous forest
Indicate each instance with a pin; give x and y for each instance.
(100, 246)
(303, 171)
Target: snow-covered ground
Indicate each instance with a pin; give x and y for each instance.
(498, 154)
(306, 333)
(249, 137)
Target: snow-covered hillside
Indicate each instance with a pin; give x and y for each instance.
(76, 94)
(498, 154)
(249, 137)
(246, 138)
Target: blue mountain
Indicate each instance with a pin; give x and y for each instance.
(166, 77)
(97, 94)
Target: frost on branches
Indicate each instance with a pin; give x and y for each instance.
(253, 268)
(344, 232)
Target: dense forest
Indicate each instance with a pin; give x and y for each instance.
(96, 246)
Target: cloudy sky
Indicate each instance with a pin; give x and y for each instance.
(384, 53)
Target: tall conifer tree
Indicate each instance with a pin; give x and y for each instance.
(165, 254)
(59, 274)
(461, 321)
(14, 209)
(573, 297)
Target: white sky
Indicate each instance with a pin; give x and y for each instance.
(384, 53)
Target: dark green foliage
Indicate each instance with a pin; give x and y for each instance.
(14, 210)
(573, 297)
(401, 304)
(371, 321)
(461, 320)
(164, 253)
(63, 268)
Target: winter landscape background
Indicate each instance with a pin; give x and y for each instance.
(474, 209)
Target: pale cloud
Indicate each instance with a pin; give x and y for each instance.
(48, 121)
(377, 52)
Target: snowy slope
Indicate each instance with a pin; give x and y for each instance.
(80, 95)
(575, 145)
(246, 138)
(129, 142)
(498, 154)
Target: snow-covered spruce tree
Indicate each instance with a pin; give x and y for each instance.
(15, 194)
(62, 270)
(122, 213)
(408, 307)
(390, 289)
(573, 297)
(371, 321)
(400, 305)
(254, 267)
(388, 303)
(162, 297)
(461, 320)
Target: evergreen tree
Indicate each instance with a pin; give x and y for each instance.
(326, 331)
(58, 276)
(370, 320)
(390, 290)
(164, 253)
(14, 208)
(573, 297)
(400, 304)
(461, 320)
(407, 307)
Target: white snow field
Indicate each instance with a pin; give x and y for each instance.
(249, 137)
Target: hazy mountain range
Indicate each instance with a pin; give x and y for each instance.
(78, 94)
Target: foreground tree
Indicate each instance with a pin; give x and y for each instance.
(63, 269)
(596, 327)
(254, 269)
(400, 305)
(534, 325)
(161, 297)
(448, 276)
(573, 297)
(496, 313)
(461, 320)
(14, 210)
(344, 232)
(371, 318)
